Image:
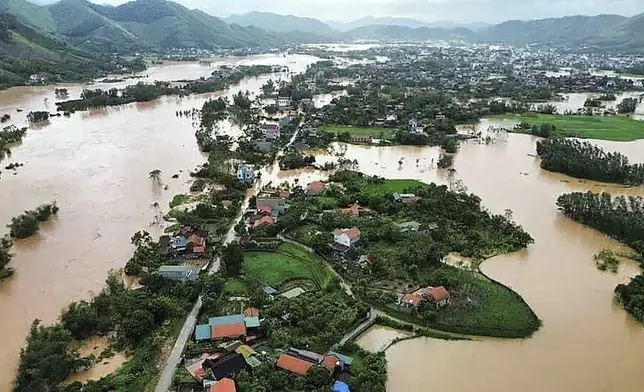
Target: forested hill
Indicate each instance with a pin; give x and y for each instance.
(283, 23)
(139, 25)
(612, 32)
(25, 51)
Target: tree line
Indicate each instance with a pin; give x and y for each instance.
(585, 160)
(621, 218)
(142, 92)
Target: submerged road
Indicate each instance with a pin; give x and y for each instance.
(165, 381)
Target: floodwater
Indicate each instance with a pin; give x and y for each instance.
(587, 342)
(95, 165)
(575, 101)
(95, 346)
(378, 337)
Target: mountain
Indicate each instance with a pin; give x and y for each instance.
(373, 21)
(402, 33)
(25, 51)
(283, 23)
(611, 32)
(141, 25)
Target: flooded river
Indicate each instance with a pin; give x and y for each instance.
(587, 343)
(96, 164)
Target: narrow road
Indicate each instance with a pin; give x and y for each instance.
(173, 361)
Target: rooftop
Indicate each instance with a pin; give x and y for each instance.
(228, 330)
(222, 320)
(294, 364)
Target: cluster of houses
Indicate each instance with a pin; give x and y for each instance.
(234, 355)
(437, 296)
(187, 244)
(299, 362)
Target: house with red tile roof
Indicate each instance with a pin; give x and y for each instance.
(346, 237)
(223, 385)
(438, 296)
(294, 364)
(264, 221)
(264, 210)
(228, 331)
(410, 301)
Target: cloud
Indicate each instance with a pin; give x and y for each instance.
(427, 10)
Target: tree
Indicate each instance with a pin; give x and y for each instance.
(628, 105)
(80, 319)
(48, 359)
(232, 256)
(135, 326)
(155, 176)
(24, 225)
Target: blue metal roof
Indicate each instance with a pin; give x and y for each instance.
(202, 332)
(339, 386)
(269, 290)
(225, 320)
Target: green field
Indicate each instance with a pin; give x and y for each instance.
(391, 186)
(374, 132)
(614, 128)
(235, 287)
(290, 263)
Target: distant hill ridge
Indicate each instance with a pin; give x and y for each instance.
(160, 24)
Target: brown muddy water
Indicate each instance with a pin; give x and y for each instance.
(587, 342)
(95, 165)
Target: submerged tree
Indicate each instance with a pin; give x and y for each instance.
(155, 176)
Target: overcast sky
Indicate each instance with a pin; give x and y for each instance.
(426, 10)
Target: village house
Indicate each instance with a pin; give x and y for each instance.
(406, 198)
(346, 237)
(246, 173)
(361, 139)
(198, 185)
(276, 204)
(228, 327)
(438, 296)
(356, 210)
(315, 188)
(271, 131)
(299, 361)
(178, 272)
(283, 102)
(264, 221)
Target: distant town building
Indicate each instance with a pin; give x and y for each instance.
(283, 102)
(246, 173)
(271, 131)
